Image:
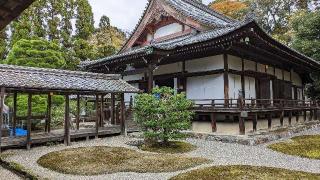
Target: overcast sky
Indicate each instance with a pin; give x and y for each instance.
(124, 14)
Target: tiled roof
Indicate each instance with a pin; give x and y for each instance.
(27, 78)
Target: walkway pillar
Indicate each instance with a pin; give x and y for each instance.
(78, 112)
(213, 122)
(97, 116)
(123, 123)
(270, 120)
(112, 109)
(297, 116)
(242, 127)
(29, 121)
(48, 119)
(255, 122)
(67, 139)
(102, 111)
(315, 115)
(290, 118)
(1, 112)
(281, 118)
(305, 115)
(150, 78)
(14, 115)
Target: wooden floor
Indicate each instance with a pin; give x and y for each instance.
(57, 135)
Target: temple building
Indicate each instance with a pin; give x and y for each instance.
(215, 60)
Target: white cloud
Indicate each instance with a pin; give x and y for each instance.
(123, 14)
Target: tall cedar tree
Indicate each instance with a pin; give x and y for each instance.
(84, 19)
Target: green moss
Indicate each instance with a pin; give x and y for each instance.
(303, 146)
(172, 148)
(244, 172)
(103, 160)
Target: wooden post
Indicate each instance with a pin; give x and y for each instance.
(150, 78)
(290, 118)
(242, 128)
(78, 112)
(310, 115)
(297, 116)
(255, 122)
(48, 120)
(112, 108)
(243, 81)
(102, 111)
(315, 115)
(226, 80)
(1, 112)
(67, 139)
(270, 120)
(304, 115)
(29, 121)
(123, 117)
(97, 116)
(14, 115)
(213, 122)
(281, 118)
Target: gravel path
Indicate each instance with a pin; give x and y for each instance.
(6, 174)
(219, 153)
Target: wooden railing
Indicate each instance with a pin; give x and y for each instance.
(254, 103)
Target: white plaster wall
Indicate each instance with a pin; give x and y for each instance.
(287, 75)
(128, 95)
(250, 87)
(235, 62)
(261, 68)
(249, 65)
(205, 64)
(279, 73)
(296, 79)
(133, 77)
(168, 68)
(205, 87)
(167, 30)
(270, 70)
(234, 86)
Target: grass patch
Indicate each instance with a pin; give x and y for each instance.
(104, 160)
(303, 146)
(244, 172)
(173, 147)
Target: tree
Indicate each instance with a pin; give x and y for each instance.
(163, 114)
(84, 19)
(3, 44)
(235, 9)
(104, 22)
(36, 53)
(306, 39)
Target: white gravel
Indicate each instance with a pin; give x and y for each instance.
(6, 174)
(219, 153)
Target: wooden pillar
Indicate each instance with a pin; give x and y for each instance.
(213, 122)
(29, 121)
(297, 116)
(1, 112)
(48, 119)
(112, 108)
(315, 115)
(226, 80)
(270, 120)
(242, 128)
(310, 115)
(304, 115)
(102, 111)
(281, 118)
(255, 122)
(243, 81)
(14, 115)
(67, 139)
(290, 118)
(123, 117)
(97, 116)
(150, 78)
(78, 112)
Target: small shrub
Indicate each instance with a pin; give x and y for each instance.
(163, 115)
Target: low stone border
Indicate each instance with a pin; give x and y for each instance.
(18, 169)
(258, 138)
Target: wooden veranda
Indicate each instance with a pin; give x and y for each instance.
(37, 81)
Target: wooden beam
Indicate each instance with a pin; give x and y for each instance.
(14, 113)
(112, 109)
(49, 113)
(213, 122)
(67, 139)
(226, 80)
(78, 112)
(123, 117)
(255, 122)
(1, 112)
(29, 121)
(97, 116)
(150, 78)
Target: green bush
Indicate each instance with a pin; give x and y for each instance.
(163, 115)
